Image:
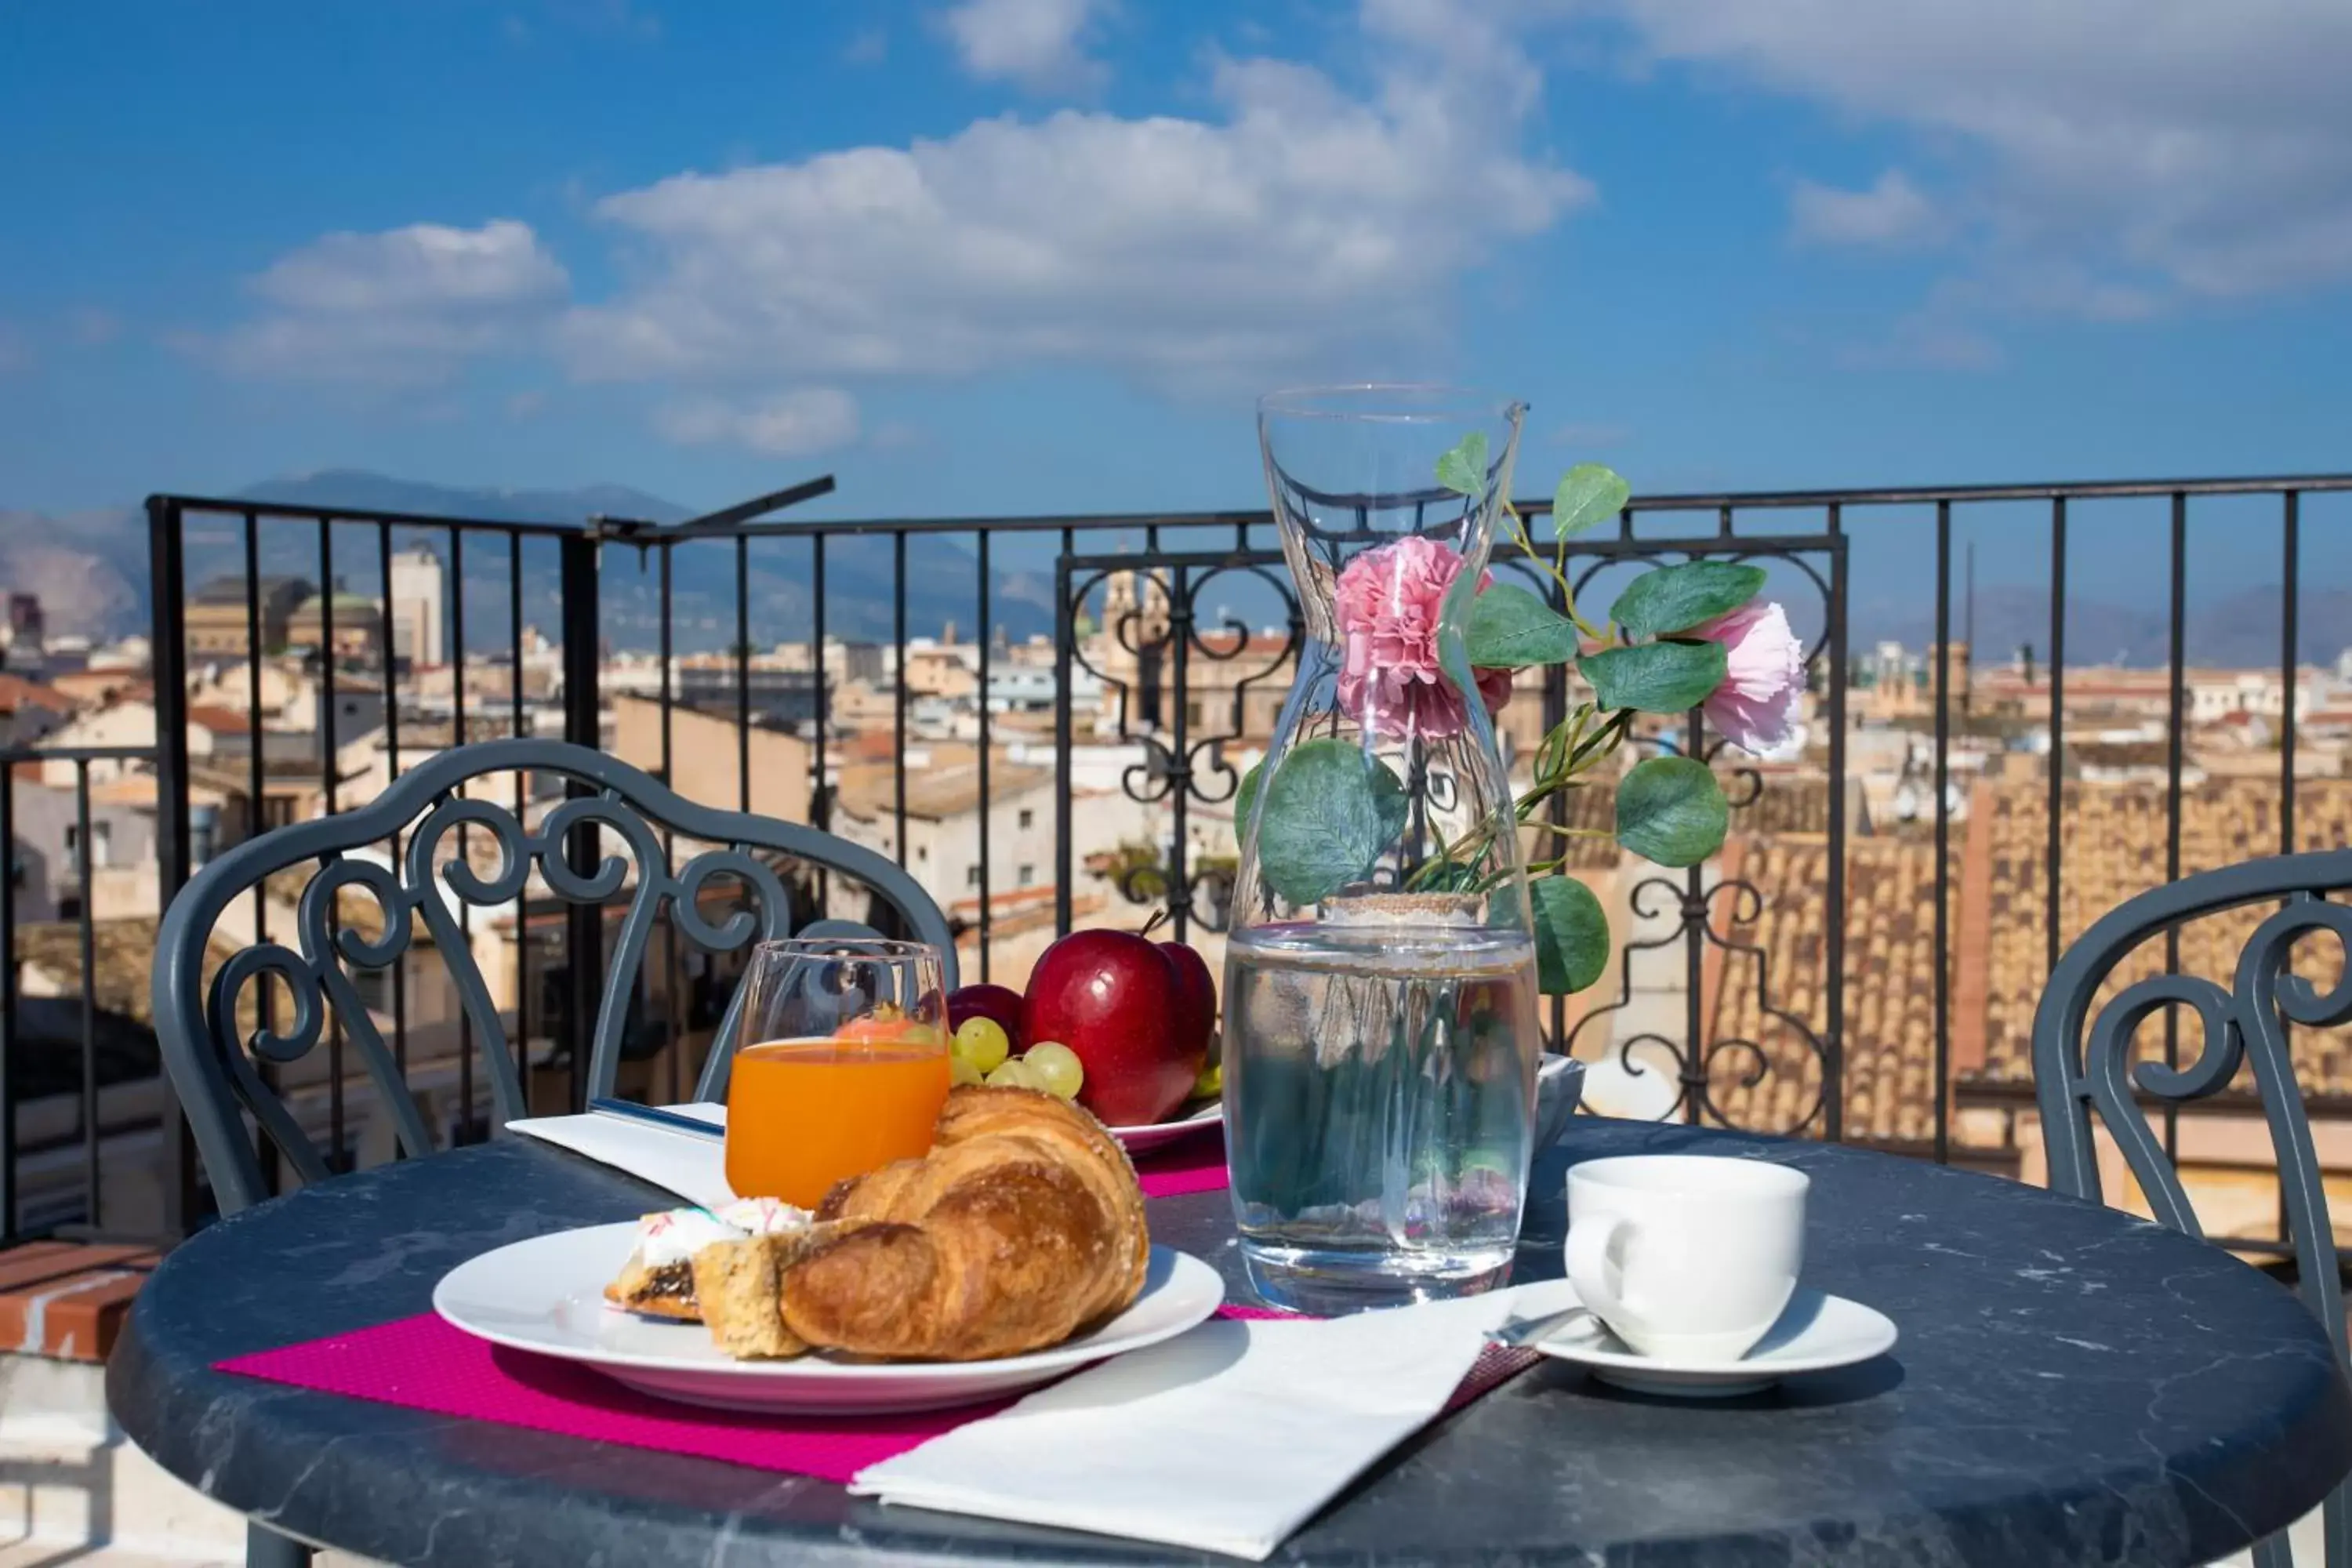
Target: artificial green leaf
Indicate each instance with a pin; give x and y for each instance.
(1463, 470)
(1246, 797)
(1655, 677)
(1571, 935)
(1589, 493)
(1677, 598)
(1331, 811)
(1511, 627)
(1671, 810)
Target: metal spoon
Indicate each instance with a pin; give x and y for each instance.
(668, 1120)
(1521, 1333)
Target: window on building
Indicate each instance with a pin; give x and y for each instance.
(101, 842)
(1192, 713)
(374, 987)
(1028, 875)
(1028, 818)
(923, 853)
(971, 876)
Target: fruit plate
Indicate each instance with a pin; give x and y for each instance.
(1159, 1134)
(546, 1296)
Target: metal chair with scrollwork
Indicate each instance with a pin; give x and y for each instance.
(2083, 1064)
(218, 1076)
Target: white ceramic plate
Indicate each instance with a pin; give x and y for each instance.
(1816, 1333)
(1144, 1139)
(547, 1295)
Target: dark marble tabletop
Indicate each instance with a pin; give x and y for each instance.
(2073, 1385)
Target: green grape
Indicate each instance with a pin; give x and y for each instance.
(1058, 1071)
(962, 1072)
(982, 1042)
(1013, 1073)
(1210, 1084)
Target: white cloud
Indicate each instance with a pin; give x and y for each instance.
(1297, 231)
(91, 327)
(1887, 214)
(1039, 45)
(2132, 150)
(795, 424)
(404, 307)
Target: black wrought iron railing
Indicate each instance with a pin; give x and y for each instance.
(1849, 968)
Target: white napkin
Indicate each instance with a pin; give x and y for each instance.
(694, 1168)
(1223, 1439)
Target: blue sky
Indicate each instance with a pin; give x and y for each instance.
(997, 256)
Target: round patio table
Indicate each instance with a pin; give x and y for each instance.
(2073, 1385)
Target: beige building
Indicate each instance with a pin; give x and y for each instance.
(704, 758)
(286, 690)
(357, 625)
(417, 586)
(218, 614)
(941, 850)
(946, 670)
(942, 847)
(128, 722)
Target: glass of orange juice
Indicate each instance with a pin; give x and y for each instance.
(844, 1064)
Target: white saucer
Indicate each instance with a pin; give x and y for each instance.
(546, 1296)
(1816, 1333)
(1159, 1134)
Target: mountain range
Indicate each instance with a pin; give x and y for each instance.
(90, 570)
(2235, 631)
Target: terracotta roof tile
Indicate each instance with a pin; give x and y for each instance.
(15, 691)
(2113, 846)
(1765, 991)
(220, 721)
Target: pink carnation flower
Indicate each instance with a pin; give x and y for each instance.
(1388, 604)
(1756, 706)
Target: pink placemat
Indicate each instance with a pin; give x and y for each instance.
(1195, 1165)
(423, 1363)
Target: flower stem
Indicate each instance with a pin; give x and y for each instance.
(1554, 568)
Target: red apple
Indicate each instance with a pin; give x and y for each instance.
(1001, 1004)
(1115, 999)
(1198, 989)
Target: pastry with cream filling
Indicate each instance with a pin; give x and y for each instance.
(658, 1279)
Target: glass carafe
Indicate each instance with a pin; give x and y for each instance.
(1379, 997)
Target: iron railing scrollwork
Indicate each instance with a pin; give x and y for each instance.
(1151, 630)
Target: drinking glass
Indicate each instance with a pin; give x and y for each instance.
(844, 1065)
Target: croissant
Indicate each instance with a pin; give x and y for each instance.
(1022, 1226)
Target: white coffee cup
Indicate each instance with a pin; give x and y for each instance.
(1686, 1257)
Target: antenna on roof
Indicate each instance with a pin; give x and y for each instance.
(727, 521)
(1968, 630)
